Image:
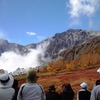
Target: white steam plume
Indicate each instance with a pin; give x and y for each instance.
(10, 61)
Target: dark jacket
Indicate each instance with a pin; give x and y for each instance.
(83, 94)
(66, 96)
(52, 96)
(15, 86)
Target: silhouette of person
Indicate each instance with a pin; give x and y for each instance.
(15, 86)
(52, 94)
(84, 93)
(67, 92)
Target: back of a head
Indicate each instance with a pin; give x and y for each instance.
(52, 88)
(98, 82)
(68, 87)
(31, 76)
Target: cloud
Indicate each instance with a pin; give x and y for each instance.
(82, 7)
(78, 8)
(31, 33)
(10, 61)
(40, 38)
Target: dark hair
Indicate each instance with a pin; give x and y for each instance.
(52, 88)
(98, 82)
(68, 88)
(63, 85)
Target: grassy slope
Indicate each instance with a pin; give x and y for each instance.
(75, 78)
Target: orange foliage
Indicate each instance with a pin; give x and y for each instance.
(82, 62)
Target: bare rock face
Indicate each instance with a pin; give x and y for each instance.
(56, 44)
(91, 46)
(69, 45)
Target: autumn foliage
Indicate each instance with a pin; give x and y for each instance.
(82, 62)
(76, 71)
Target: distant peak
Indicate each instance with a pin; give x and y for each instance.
(73, 30)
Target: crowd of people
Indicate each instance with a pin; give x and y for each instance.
(31, 90)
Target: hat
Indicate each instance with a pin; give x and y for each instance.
(98, 70)
(51, 87)
(83, 85)
(31, 75)
(6, 80)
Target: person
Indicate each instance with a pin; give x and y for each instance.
(6, 90)
(67, 92)
(95, 93)
(31, 90)
(97, 82)
(52, 94)
(84, 93)
(15, 86)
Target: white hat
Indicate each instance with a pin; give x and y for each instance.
(6, 80)
(83, 85)
(98, 70)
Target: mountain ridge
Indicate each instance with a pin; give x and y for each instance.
(68, 44)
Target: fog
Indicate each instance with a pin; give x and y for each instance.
(10, 61)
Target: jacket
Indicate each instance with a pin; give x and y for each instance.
(52, 96)
(6, 93)
(66, 95)
(31, 91)
(95, 93)
(83, 94)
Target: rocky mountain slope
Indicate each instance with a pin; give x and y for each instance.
(69, 45)
(91, 46)
(54, 45)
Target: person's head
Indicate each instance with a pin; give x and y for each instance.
(31, 76)
(6, 80)
(97, 82)
(52, 88)
(67, 87)
(84, 85)
(63, 87)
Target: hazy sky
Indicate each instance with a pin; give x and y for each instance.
(30, 21)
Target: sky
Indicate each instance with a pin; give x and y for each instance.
(31, 21)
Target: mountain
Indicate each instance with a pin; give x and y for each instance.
(69, 45)
(54, 45)
(68, 39)
(83, 56)
(91, 46)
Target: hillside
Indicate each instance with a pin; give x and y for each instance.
(75, 78)
(73, 49)
(78, 64)
(83, 56)
(91, 46)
